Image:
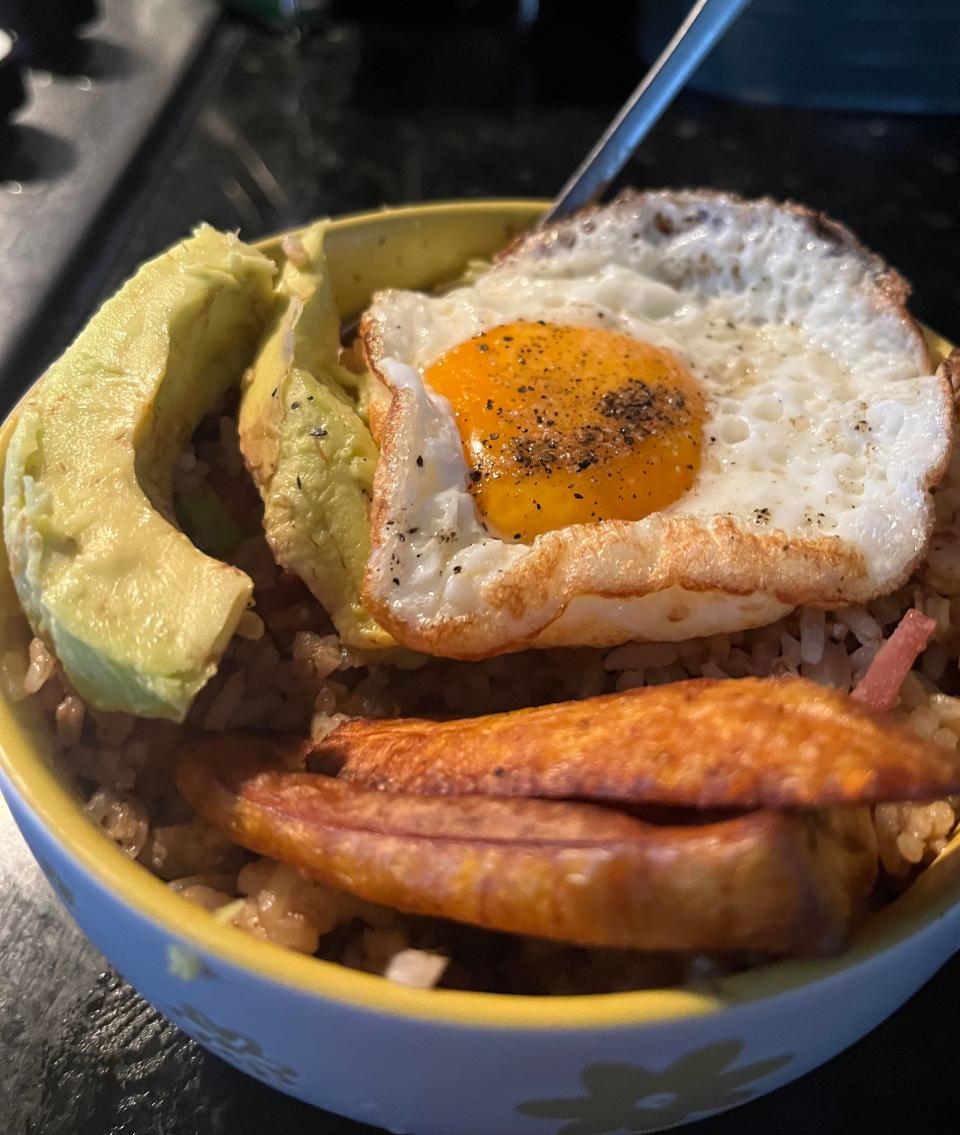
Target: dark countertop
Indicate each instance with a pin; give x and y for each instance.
(384, 111)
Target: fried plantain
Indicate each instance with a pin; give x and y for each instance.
(744, 743)
(775, 882)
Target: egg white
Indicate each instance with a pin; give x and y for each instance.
(824, 433)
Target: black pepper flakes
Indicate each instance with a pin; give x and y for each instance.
(419, 460)
(299, 482)
(318, 431)
(294, 405)
(457, 569)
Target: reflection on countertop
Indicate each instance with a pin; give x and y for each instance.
(363, 114)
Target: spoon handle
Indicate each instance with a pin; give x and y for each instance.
(705, 23)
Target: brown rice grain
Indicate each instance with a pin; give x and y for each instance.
(380, 945)
(41, 667)
(206, 897)
(13, 674)
(112, 728)
(629, 680)
(192, 848)
(120, 817)
(69, 721)
(251, 626)
(641, 656)
(225, 703)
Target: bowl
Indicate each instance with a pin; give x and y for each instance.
(441, 1062)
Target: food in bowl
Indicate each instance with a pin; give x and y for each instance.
(681, 798)
(676, 417)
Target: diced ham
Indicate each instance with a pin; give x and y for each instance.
(879, 688)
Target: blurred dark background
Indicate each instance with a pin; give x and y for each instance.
(144, 116)
(124, 122)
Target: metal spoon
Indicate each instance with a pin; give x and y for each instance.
(706, 22)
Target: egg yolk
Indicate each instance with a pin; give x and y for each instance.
(570, 425)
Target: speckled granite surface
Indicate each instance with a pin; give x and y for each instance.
(375, 112)
(362, 116)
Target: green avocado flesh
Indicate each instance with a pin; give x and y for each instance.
(308, 447)
(203, 517)
(138, 616)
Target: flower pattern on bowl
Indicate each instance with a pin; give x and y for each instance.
(240, 1050)
(632, 1098)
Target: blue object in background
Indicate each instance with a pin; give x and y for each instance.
(880, 55)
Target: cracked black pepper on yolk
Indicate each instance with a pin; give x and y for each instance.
(570, 425)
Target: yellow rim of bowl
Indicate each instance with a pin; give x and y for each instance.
(44, 794)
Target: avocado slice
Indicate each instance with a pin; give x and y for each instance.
(308, 447)
(138, 616)
(202, 515)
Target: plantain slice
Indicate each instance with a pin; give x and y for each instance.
(775, 882)
(704, 743)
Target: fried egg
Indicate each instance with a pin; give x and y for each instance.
(678, 415)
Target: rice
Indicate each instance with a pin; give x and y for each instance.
(286, 669)
(909, 834)
(321, 652)
(861, 623)
(812, 624)
(121, 817)
(641, 655)
(69, 717)
(175, 851)
(202, 895)
(226, 703)
(13, 674)
(251, 626)
(42, 666)
(283, 906)
(105, 767)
